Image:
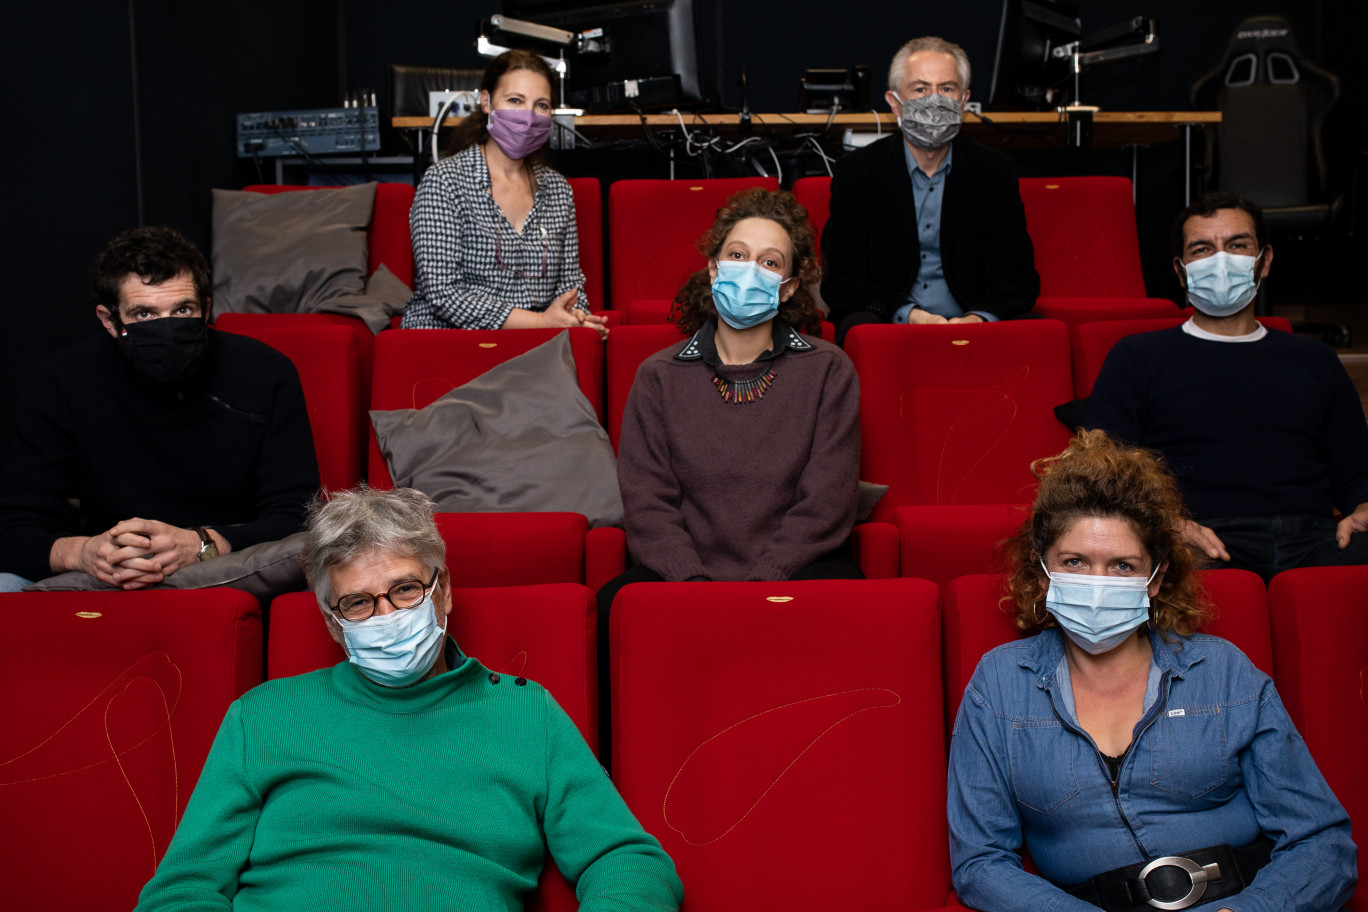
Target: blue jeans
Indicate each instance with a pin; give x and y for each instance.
(11, 582)
(1268, 545)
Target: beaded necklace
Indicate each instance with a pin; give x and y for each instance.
(744, 391)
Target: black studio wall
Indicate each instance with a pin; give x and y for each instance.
(92, 156)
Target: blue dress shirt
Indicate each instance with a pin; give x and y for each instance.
(1214, 759)
(930, 291)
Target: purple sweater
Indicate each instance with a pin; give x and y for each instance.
(740, 491)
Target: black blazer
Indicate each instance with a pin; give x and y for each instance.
(870, 249)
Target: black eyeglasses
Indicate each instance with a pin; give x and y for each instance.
(359, 606)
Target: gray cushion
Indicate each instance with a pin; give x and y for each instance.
(519, 437)
(289, 252)
(264, 571)
(870, 495)
(384, 297)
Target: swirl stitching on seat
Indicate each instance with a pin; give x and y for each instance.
(897, 699)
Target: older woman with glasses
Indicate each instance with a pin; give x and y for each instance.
(408, 776)
(494, 237)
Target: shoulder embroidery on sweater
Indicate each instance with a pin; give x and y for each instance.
(691, 352)
(796, 342)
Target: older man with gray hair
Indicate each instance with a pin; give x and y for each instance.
(925, 226)
(407, 777)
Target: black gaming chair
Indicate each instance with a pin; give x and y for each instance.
(1267, 148)
(1273, 102)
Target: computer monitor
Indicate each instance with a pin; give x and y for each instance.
(652, 59)
(1026, 72)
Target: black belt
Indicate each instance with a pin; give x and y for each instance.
(1177, 881)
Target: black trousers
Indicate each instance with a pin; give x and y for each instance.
(860, 317)
(1268, 545)
(838, 564)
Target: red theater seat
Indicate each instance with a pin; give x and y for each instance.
(413, 367)
(493, 549)
(109, 702)
(329, 359)
(648, 312)
(589, 226)
(976, 621)
(814, 195)
(750, 717)
(390, 240)
(653, 229)
(956, 414)
(876, 549)
(248, 324)
(1321, 656)
(1083, 230)
(941, 542)
(628, 346)
(1073, 311)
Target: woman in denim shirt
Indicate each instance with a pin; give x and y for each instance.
(1118, 735)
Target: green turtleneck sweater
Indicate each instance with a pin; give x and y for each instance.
(328, 792)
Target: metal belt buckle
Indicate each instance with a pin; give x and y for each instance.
(1200, 875)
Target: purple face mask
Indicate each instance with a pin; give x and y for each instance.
(518, 132)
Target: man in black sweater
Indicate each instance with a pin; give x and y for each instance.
(1263, 428)
(925, 227)
(161, 445)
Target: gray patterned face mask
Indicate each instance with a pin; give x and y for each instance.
(931, 121)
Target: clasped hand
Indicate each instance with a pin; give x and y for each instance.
(138, 552)
(917, 315)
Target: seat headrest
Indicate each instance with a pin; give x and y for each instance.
(1262, 34)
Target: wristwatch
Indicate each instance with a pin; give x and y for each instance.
(207, 549)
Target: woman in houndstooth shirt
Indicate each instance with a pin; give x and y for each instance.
(493, 226)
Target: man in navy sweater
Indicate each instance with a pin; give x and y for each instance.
(1263, 429)
(158, 444)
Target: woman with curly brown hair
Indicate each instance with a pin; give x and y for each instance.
(740, 447)
(1141, 763)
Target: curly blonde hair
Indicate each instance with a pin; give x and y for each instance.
(693, 304)
(1095, 477)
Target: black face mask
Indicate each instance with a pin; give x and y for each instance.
(167, 351)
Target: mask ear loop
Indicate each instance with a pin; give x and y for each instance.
(1258, 279)
(1161, 565)
(1038, 615)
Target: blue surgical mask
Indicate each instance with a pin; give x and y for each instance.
(930, 121)
(1097, 612)
(395, 649)
(745, 293)
(1222, 284)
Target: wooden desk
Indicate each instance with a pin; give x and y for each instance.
(1111, 129)
(1014, 129)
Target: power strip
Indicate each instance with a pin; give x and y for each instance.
(321, 131)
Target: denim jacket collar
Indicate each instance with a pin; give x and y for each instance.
(1173, 657)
